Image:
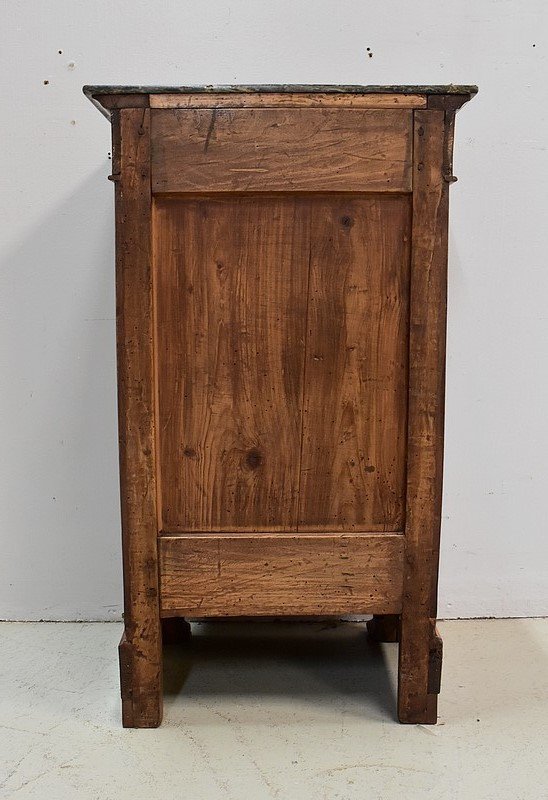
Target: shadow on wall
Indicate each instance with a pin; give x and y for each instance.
(61, 559)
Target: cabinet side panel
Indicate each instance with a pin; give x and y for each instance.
(231, 308)
(355, 409)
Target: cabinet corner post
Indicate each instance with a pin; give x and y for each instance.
(418, 679)
(141, 646)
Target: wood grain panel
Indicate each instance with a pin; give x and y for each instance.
(231, 283)
(355, 398)
(287, 100)
(302, 149)
(227, 575)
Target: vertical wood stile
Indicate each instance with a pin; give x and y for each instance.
(140, 648)
(428, 304)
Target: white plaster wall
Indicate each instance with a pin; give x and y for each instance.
(60, 550)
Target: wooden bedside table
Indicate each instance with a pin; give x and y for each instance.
(281, 262)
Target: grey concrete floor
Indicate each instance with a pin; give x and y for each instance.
(274, 710)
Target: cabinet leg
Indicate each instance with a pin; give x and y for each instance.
(175, 630)
(141, 686)
(419, 674)
(384, 628)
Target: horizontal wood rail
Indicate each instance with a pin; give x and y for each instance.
(228, 574)
(277, 149)
(286, 100)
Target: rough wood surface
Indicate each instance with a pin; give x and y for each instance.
(425, 414)
(281, 312)
(105, 97)
(114, 101)
(251, 437)
(435, 660)
(140, 649)
(355, 383)
(231, 285)
(224, 575)
(263, 149)
(287, 100)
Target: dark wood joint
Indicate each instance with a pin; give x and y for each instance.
(448, 102)
(435, 659)
(449, 138)
(125, 654)
(384, 628)
(175, 630)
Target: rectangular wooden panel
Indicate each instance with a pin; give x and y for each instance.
(231, 287)
(263, 149)
(286, 100)
(355, 399)
(226, 575)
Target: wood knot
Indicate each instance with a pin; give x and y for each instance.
(189, 452)
(253, 458)
(347, 221)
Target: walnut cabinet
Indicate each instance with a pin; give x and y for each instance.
(281, 298)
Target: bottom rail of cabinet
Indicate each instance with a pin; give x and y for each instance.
(280, 574)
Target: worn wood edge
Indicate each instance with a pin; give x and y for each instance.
(237, 88)
(126, 672)
(273, 534)
(429, 716)
(180, 167)
(371, 530)
(140, 709)
(287, 100)
(107, 104)
(425, 415)
(224, 600)
(140, 650)
(435, 660)
(97, 94)
(229, 195)
(448, 102)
